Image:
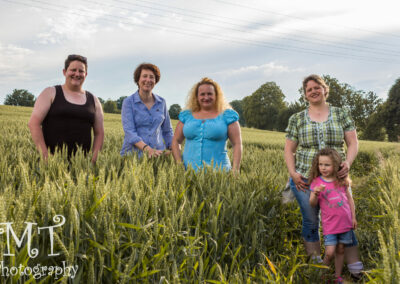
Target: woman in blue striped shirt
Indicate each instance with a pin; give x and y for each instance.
(145, 117)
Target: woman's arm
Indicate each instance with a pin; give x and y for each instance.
(290, 150)
(352, 208)
(235, 138)
(40, 110)
(98, 129)
(177, 141)
(350, 138)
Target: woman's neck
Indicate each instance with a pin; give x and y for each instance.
(318, 107)
(73, 90)
(146, 97)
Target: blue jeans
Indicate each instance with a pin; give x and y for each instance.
(342, 238)
(310, 227)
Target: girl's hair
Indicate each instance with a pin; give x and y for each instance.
(336, 161)
(220, 102)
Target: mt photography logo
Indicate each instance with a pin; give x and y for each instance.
(36, 271)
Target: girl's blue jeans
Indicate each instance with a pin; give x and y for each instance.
(310, 227)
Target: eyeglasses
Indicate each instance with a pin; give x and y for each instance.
(73, 57)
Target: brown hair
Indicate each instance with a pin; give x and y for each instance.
(220, 101)
(336, 161)
(317, 79)
(146, 66)
(75, 57)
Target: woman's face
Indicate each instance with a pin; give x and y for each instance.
(75, 74)
(147, 80)
(206, 96)
(315, 93)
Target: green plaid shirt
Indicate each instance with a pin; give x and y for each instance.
(312, 136)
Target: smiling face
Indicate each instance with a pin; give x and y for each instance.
(147, 80)
(75, 74)
(315, 93)
(325, 166)
(206, 96)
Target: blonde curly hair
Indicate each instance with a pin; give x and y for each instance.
(192, 103)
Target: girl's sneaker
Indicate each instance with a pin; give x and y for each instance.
(339, 280)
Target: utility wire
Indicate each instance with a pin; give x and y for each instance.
(302, 19)
(204, 34)
(214, 18)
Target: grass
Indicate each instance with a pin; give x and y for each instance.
(130, 220)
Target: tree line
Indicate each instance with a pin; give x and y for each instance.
(267, 109)
(375, 119)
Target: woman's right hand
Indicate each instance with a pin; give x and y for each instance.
(298, 179)
(153, 152)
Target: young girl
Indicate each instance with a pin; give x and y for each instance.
(337, 206)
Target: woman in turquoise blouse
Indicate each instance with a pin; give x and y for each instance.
(207, 123)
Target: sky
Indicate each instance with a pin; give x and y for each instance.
(239, 44)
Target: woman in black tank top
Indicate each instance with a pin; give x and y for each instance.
(66, 115)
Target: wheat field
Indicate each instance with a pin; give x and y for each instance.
(150, 221)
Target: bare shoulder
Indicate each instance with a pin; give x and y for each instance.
(97, 103)
(48, 93)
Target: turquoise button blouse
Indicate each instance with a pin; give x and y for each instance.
(206, 139)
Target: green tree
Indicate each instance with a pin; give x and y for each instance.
(286, 112)
(375, 126)
(110, 107)
(261, 109)
(174, 111)
(120, 101)
(237, 105)
(20, 97)
(392, 112)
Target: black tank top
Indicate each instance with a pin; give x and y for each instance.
(69, 124)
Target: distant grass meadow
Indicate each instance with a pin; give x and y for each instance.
(150, 221)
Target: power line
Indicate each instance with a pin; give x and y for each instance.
(302, 19)
(203, 34)
(214, 18)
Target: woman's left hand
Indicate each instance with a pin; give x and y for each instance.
(344, 169)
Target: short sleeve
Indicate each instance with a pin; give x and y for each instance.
(184, 115)
(346, 120)
(291, 130)
(230, 116)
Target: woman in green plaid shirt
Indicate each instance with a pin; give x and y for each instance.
(318, 126)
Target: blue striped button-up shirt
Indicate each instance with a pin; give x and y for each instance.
(153, 126)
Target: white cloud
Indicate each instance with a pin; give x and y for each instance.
(270, 68)
(74, 24)
(13, 63)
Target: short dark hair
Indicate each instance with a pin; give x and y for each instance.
(75, 57)
(146, 66)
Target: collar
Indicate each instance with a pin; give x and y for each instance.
(136, 98)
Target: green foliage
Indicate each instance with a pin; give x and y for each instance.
(261, 109)
(286, 112)
(174, 111)
(110, 107)
(150, 221)
(120, 101)
(361, 104)
(375, 126)
(20, 97)
(237, 105)
(392, 111)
